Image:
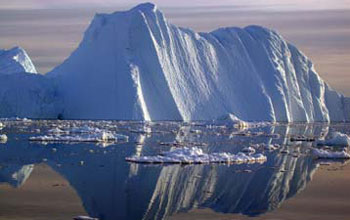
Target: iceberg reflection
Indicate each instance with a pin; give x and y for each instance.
(111, 188)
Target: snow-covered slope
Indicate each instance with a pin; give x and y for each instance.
(136, 65)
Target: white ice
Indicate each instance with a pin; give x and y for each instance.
(196, 155)
(90, 137)
(249, 150)
(3, 138)
(335, 139)
(136, 65)
(151, 69)
(326, 154)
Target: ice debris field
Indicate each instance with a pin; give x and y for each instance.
(182, 142)
(153, 70)
(196, 155)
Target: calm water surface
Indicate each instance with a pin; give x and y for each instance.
(62, 180)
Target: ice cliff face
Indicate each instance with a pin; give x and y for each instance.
(15, 60)
(23, 92)
(136, 65)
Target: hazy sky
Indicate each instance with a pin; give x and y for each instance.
(274, 4)
(50, 30)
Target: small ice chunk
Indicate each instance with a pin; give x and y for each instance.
(249, 150)
(271, 147)
(3, 138)
(325, 154)
(57, 131)
(196, 155)
(335, 139)
(237, 123)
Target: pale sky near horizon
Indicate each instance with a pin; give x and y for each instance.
(51, 33)
(272, 4)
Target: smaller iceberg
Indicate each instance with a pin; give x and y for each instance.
(335, 139)
(196, 155)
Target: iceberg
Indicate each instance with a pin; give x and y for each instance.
(136, 65)
(24, 92)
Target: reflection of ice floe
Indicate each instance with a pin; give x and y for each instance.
(196, 155)
(98, 137)
(301, 138)
(327, 154)
(156, 192)
(254, 134)
(23, 174)
(335, 139)
(143, 130)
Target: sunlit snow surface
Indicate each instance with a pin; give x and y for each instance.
(150, 69)
(104, 180)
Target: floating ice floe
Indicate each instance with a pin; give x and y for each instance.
(3, 138)
(196, 155)
(98, 137)
(335, 139)
(85, 129)
(249, 150)
(57, 131)
(76, 130)
(325, 154)
(271, 147)
(237, 123)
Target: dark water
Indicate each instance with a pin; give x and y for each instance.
(110, 188)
